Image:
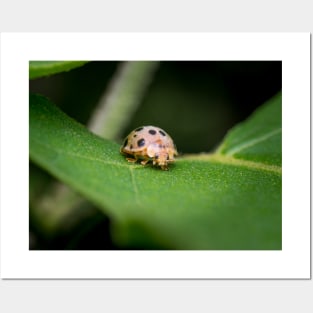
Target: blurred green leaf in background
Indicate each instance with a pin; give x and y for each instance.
(46, 68)
(223, 192)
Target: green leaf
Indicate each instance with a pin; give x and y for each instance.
(259, 138)
(225, 200)
(39, 69)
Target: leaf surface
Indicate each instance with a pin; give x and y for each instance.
(39, 69)
(259, 138)
(230, 199)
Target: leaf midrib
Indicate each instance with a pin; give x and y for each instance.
(230, 160)
(81, 156)
(212, 157)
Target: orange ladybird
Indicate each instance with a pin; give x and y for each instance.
(149, 144)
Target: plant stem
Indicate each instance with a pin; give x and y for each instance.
(122, 98)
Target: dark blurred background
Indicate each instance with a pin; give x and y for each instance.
(196, 102)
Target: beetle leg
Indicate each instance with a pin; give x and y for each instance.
(132, 160)
(144, 162)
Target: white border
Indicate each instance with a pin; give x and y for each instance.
(18, 262)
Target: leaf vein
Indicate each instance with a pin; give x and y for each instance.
(252, 142)
(134, 185)
(62, 152)
(232, 161)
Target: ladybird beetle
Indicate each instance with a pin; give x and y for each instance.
(149, 143)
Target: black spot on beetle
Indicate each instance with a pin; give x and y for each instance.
(138, 129)
(135, 135)
(141, 142)
(125, 143)
(131, 147)
(162, 133)
(167, 158)
(152, 132)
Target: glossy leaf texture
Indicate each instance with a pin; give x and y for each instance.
(39, 69)
(231, 199)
